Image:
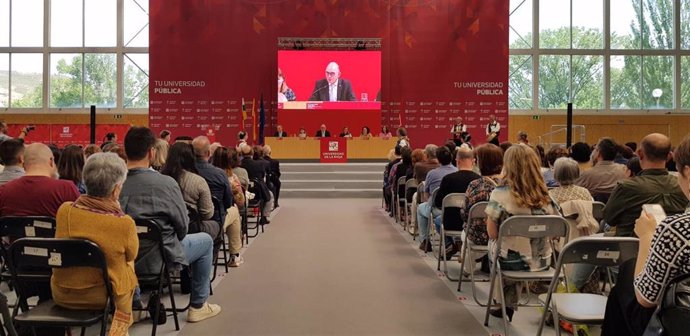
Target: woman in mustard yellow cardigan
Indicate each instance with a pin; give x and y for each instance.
(97, 216)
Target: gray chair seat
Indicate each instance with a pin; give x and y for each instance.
(50, 314)
(526, 276)
(580, 307)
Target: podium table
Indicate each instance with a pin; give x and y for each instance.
(310, 148)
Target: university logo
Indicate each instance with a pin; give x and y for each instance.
(332, 146)
(65, 129)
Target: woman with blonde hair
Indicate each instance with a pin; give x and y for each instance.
(161, 155)
(522, 192)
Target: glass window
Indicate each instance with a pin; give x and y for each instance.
(588, 24)
(657, 82)
(554, 81)
(554, 24)
(626, 73)
(520, 82)
(657, 25)
(588, 81)
(685, 24)
(136, 80)
(66, 25)
(100, 84)
(101, 23)
(4, 23)
(66, 80)
(625, 24)
(27, 80)
(136, 22)
(27, 23)
(4, 80)
(685, 82)
(521, 24)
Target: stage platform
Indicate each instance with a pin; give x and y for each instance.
(331, 180)
(293, 148)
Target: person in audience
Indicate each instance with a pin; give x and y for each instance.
(71, 165)
(279, 132)
(258, 156)
(227, 160)
(453, 149)
(632, 145)
(184, 138)
(671, 164)
(4, 131)
(505, 145)
(456, 182)
(110, 138)
(161, 147)
(366, 133)
(98, 217)
(523, 192)
(345, 133)
(403, 139)
(433, 181)
(241, 173)
(323, 132)
(241, 139)
(385, 133)
(522, 138)
(12, 156)
(115, 148)
(624, 154)
(633, 167)
(392, 161)
(554, 153)
(490, 161)
(195, 191)
(165, 135)
(170, 214)
(605, 174)
(273, 174)
(91, 150)
(417, 157)
(216, 178)
(399, 170)
(582, 153)
(664, 253)
(430, 162)
(565, 172)
(653, 185)
(539, 149)
(302, 133)
(257, 172)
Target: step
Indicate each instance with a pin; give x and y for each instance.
(330, 193)
(330, 184)
(333, 167)
(342, 176)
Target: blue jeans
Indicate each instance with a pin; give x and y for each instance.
(198, 249)
(423, 211)
(437, 223)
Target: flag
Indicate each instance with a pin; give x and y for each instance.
(400, 117)
(262, 120)
(254, 120)
(244, 113)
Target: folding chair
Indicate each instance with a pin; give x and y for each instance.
(476, 212)
(451, 226)
(222, 254)
(400, 188)
(533, 227)
(32, 260)
(7, 326)
(410, 189)
(432, 227)
(254, 208)
(148, 230)
(598, 210)
(15, 227)
(584, 308)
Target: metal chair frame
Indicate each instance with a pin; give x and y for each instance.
(452, 200)
(476, 212)
(410, 185)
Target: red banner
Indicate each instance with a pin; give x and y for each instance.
(333, 150)
(68, 134)
(439, 60)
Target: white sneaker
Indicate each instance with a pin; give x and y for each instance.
(236, 261)
(208, 310)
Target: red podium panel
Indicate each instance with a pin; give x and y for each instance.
(333, 150)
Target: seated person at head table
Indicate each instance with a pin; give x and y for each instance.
(279, 132)
(332, 88)
(345, 133)
(366, 133)
(385, 133)
(323, 132)
(302, 134)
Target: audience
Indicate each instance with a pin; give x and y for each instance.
(664, 254)
(12, 156)
(392, 160)
(633, 167)
(505, 145)
(605, 174)
(195, 191)
(91, 150)
(490, 162)
(98, 217)
(71, 165)
(273, 174)
(161, 147)
(147, 194)
(653, 185)
(216, 178)
(523, 192)
(554, 153)
(430, 162)
(256, 171)
(399, 170)
(225, 158)
(566, 172)
(582, 153)
(456, 182)
(433, 181)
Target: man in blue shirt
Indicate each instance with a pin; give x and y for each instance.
(433, 181)
(215, 177)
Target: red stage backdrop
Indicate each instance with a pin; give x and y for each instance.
(439, 59)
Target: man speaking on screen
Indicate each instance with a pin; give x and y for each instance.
(332, 88)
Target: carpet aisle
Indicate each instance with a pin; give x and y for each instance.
(334, 267)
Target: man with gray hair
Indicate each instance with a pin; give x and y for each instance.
(332, 88)
(216, 178)
(430, 162)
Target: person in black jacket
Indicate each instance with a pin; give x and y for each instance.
(273, 174)
(256, 169)
(323, 132)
